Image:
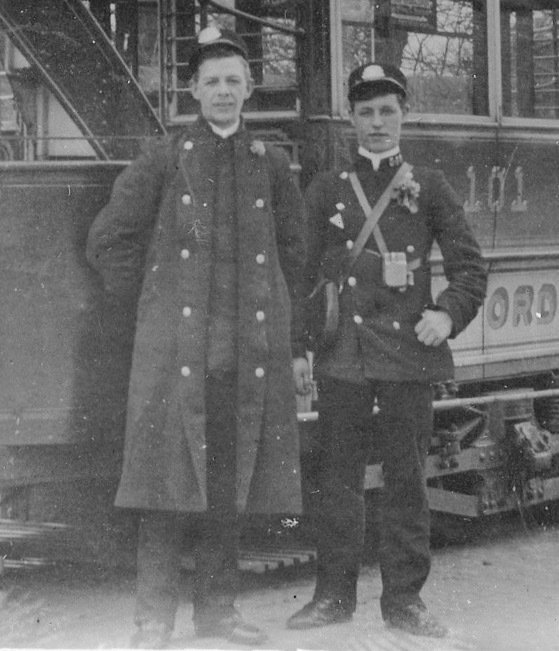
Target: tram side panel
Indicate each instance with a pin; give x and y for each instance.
(64, 351)
(489, 457)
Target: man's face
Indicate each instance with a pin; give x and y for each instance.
(378, 122)
(221, 87)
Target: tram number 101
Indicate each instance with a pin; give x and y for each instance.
(496, 191)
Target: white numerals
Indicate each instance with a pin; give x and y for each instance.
(496, 191)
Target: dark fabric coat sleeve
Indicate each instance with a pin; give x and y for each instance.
(316, 207)
(463, 264)
(119, 236)
(290, 223)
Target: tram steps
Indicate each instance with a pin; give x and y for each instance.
(32, 544)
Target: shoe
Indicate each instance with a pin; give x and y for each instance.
(415, 619)
(320, 612)
(233, 628)
(151, 635)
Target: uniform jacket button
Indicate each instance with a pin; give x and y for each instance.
(349, 244)
(188, 145)
(358, 319)
(186, 311)
(185, 371)
(259, 372)
(260, 203)
(396, 325)
(185, 254)
(260, 258)
(186, 199)
(260, 316)
(352, 281)
(410, 248)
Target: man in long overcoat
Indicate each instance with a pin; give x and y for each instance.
(207, 228)
(375, 382)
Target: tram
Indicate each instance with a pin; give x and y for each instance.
(82, 84)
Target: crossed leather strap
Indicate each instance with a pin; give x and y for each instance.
(332, 288)
(374, 214)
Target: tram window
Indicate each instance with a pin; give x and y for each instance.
(530, 59)
(272, 52)
(441, 45)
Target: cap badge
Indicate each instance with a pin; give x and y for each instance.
(208, 35)
(372, 73)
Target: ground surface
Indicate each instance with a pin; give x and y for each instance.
(497, 592)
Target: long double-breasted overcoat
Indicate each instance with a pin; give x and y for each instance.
(154, 238)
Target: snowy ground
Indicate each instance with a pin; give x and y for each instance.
(498, 592)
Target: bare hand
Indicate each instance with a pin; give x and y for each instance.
(302, 376)
(434, 327)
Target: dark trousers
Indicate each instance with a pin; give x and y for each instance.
(216, 532)
(334, 474)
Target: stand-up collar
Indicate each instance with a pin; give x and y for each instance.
(392, 156)
(225, 133)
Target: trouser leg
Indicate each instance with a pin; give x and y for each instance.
(403, 436)
(158, 568)
(337, 514)
(216, 579)
(217, 547)
(216, 533)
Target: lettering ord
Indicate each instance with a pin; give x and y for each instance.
(523, 308)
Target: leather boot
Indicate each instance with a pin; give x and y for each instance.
(319, 612)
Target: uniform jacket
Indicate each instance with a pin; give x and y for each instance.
(153, 239)
(376, 336)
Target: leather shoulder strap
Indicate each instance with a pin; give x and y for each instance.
(373, 214)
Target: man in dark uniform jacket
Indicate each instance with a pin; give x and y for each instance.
(206, 227)
(375, 383)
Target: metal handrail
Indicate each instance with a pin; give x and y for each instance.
(451, 403)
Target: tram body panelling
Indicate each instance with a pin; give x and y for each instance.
(64, 352)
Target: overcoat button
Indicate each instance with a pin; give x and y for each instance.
(260, 315)
(186, 199)
(358, 319)
(349, 244)
(185, 371)
(188, 145)
(260, 258)
(410, 248)
(185, 254)
(259, 372)
(344, 175)
(396, 325)
(351, 281)
(186, 311)
(340, 206)
(260, 203)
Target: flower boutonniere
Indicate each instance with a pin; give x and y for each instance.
(257, 147)
(407, 192)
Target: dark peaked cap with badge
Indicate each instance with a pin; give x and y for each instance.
(371, 79)
(212, 39)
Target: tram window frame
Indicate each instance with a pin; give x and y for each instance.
(494, 16)
(508, 7)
